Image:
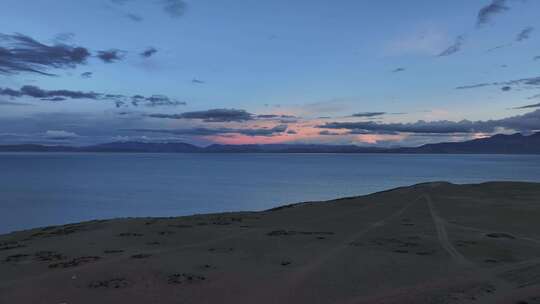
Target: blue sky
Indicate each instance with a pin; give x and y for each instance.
(296, 60)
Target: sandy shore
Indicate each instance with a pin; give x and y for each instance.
(429, 243)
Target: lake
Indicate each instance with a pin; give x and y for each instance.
(39, 189)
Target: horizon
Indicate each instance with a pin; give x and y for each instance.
(275, 144)
(314, 73)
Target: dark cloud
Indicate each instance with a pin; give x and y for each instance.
(475, 86)
(275, 116)
(64, 37)
(110, 56)
(291, 132)
(525, 122)
(506, 88)
(197, 81)
(366, 132)
(156, 100)
(61, 95)
(533, 82)
(368, 114)
(329, 133)
(54, 98)
(267, 132)
(175, 8)
(454, 48)
(149, 52)
(498, 47)
(525, 34)
(213, 115)
(531, 106)
(134, 17)
(487, 12)
(37, 92)
(397, 70)
(536, 57)
(86, 75)
(10, 92)
(20, 53)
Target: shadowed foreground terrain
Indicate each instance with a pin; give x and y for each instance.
(429, 243)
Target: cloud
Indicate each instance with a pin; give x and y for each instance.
(397, 70)
(329, 133)
(54, 98)
(533, 82)
(134, 18)
(506, 88)
(36, 92)
(275, 116)
(454, 48)
(525, 34)
(536, 57)
(368, 114)
(175, 8)
(149, 52)
(64, 37)
(60, 95)
(267, 132)
(112, 55)
(197, 81)
(20, 53)
(498, 47)
(487, 12)
(366, 132)
(86, 75)
(213, 115)
(156, 100)
(91, 127)
(60, 135)
(475, 86)
(526, 122)
(536, 105)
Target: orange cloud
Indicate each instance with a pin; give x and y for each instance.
(304, 132)
(375, 138)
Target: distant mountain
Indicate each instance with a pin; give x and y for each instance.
(140, 147)
(126, 147)
(497, 144)
(36, 148)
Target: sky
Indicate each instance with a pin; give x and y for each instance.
(370, 73)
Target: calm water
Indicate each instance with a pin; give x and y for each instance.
(46, 189)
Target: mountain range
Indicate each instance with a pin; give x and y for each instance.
(497, 144)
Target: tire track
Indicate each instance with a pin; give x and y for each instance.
(297, 278)
(443, 235)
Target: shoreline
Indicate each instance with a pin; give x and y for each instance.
(427, 242)
(224, 213)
